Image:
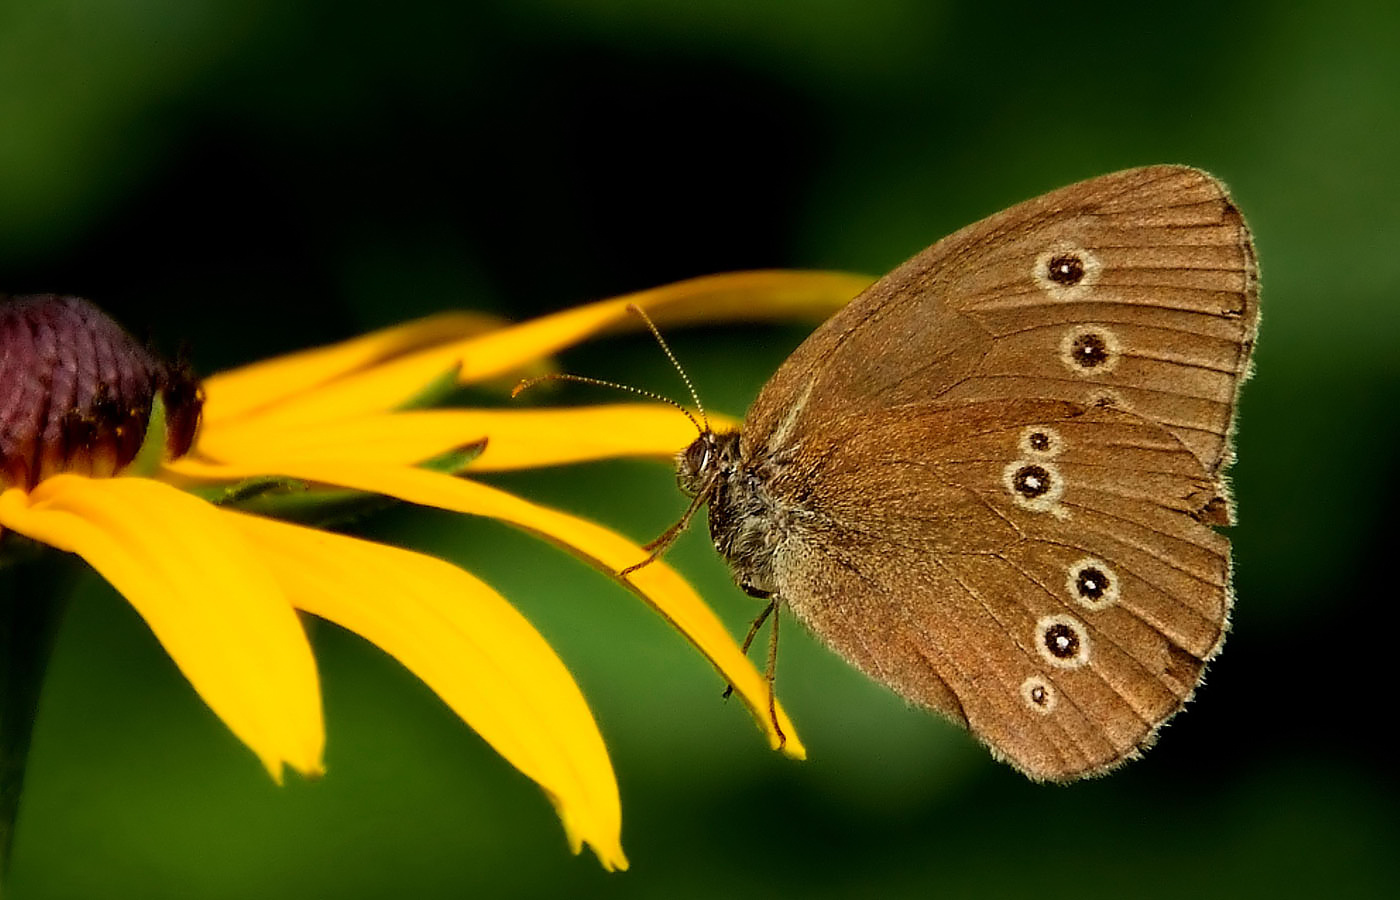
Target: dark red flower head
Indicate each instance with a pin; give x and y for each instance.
(76, 392)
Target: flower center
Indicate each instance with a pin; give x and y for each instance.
(76, 392)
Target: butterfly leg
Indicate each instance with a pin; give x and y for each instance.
(668, 537)
(771, 671)
(748, 638)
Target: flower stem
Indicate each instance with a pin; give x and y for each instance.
(33, 594)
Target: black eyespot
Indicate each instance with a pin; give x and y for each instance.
(1089, 350)
(1039, 441)
(1061, 640)
(1092, 583)
(1038, 695)
(1031, 481)
(1066, 269)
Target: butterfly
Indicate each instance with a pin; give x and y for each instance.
(992, 481)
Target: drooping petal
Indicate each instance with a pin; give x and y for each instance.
(204, 592)
(472, 648)
(657, 584)
(738, 296)
(238, 391)
(516, 439)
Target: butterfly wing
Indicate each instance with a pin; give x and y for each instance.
(1037, 570)
(1137, 290)
(1116, 316)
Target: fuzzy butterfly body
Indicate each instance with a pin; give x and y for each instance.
(990, 482)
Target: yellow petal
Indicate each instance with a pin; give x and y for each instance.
(204, 592)
(738, 296)
(238, 391)
(657, 584)
(516, 439)
(472, 648)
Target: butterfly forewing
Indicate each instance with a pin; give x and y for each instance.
(1152, 307)
(1137, 290)
(991, 478)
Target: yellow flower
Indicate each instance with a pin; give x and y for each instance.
(221, 588)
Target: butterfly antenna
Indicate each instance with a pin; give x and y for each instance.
(665, 348)
(659, 546)
(528, 383)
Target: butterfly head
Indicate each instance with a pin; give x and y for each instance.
(707, 458)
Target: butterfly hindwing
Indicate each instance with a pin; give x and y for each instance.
(945, 548)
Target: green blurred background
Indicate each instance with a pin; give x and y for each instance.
(252, 176)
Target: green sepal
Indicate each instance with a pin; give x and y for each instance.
(454, 462)
(436, 391)
(152, 453)
(295, 500)
(239, 492)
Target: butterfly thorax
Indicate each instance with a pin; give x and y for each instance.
(746, 524)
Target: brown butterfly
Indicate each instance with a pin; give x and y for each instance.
(990, 481)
